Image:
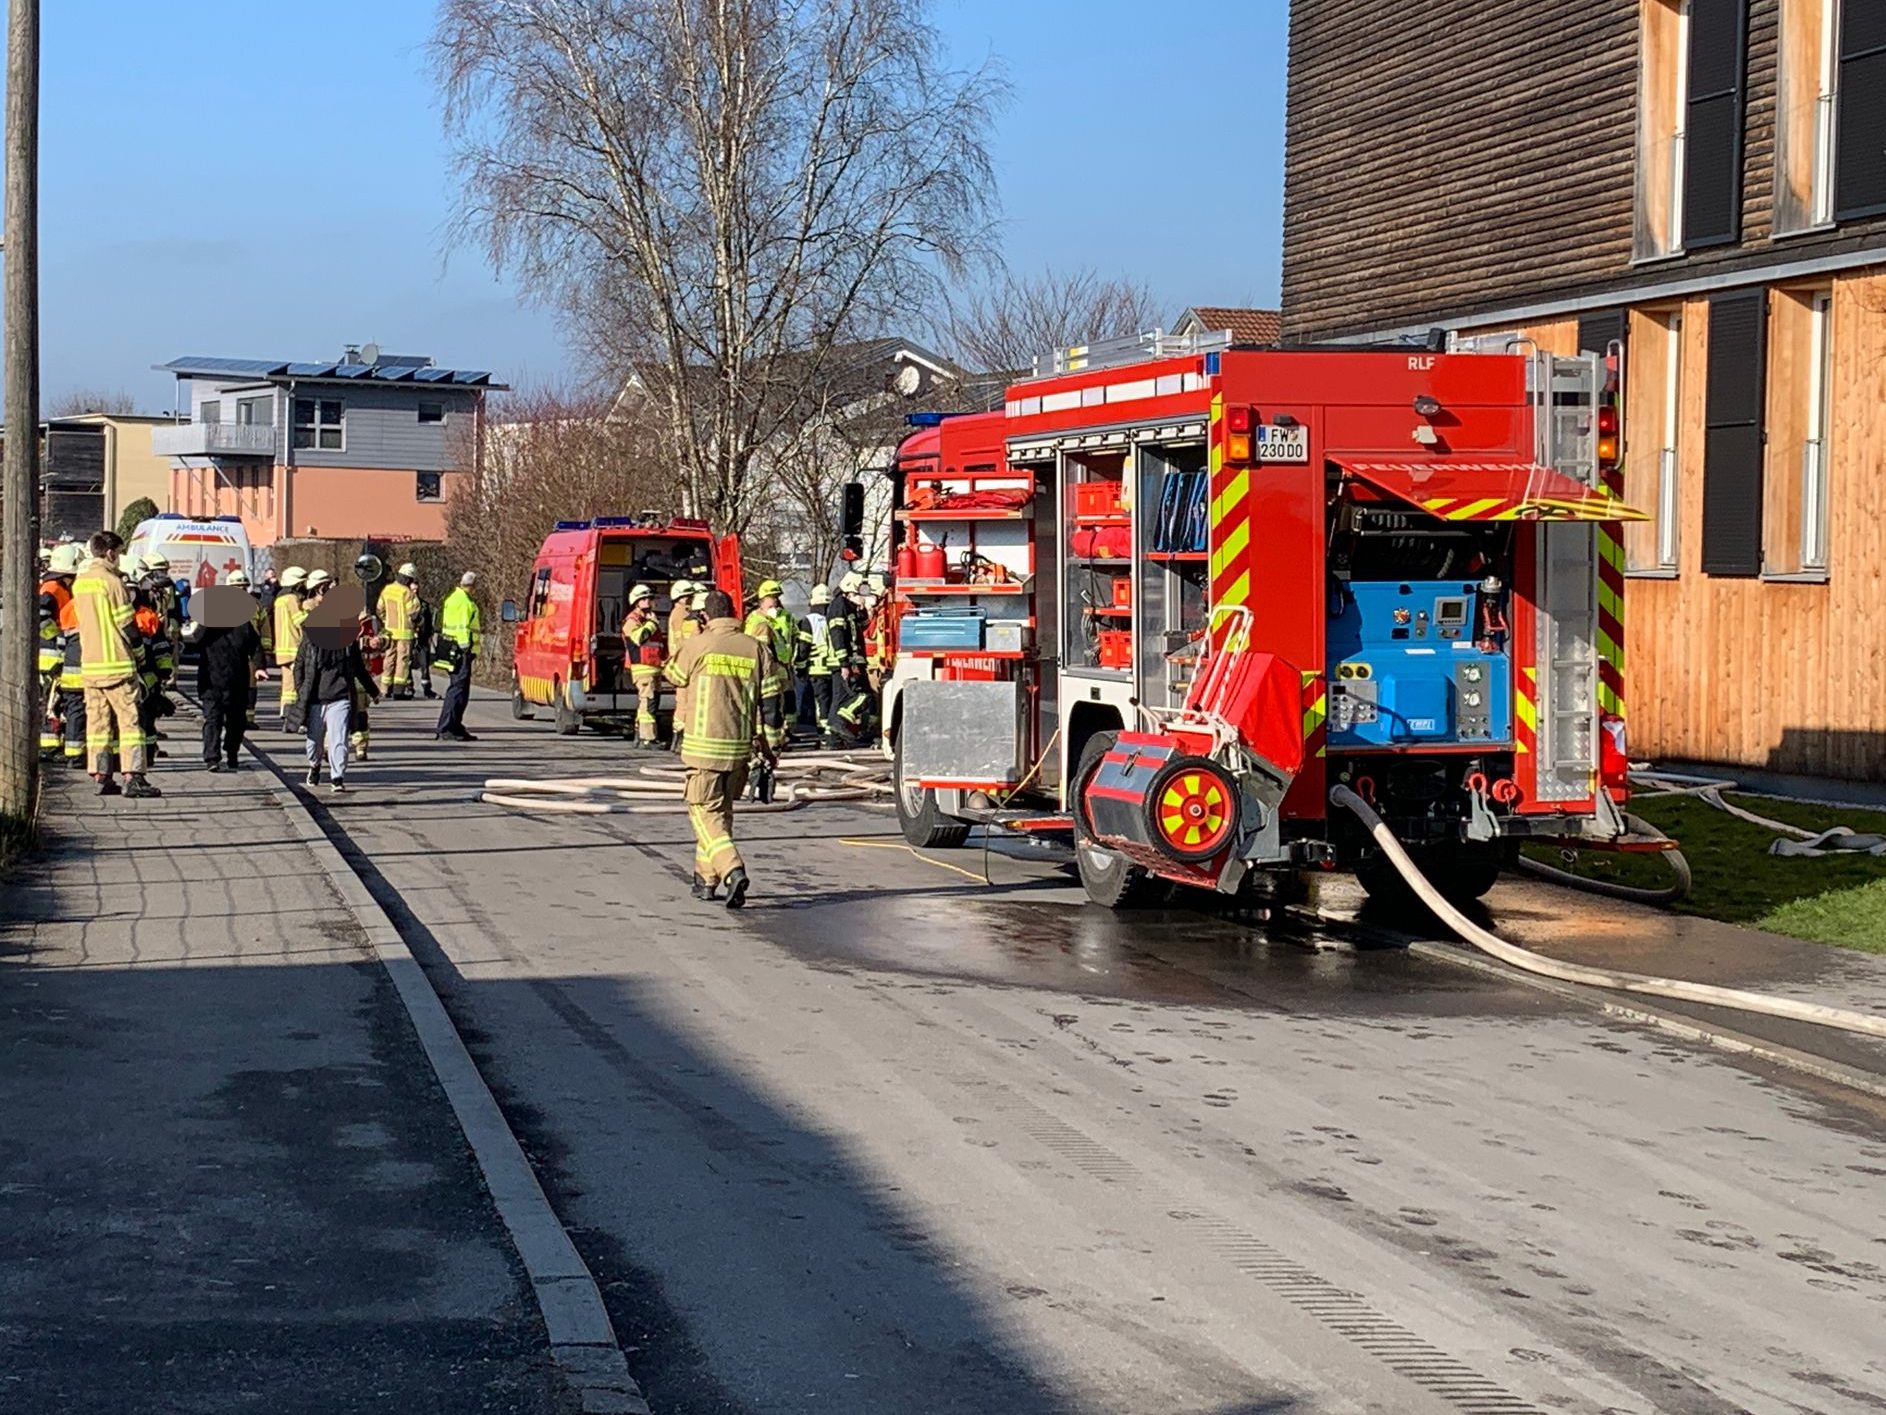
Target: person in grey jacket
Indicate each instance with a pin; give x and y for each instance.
(325, 678)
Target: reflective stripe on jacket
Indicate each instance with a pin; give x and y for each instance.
(398, 606)
(733, 683)
(459, 620)
(103, 610)
(775, 626)
(288, 617)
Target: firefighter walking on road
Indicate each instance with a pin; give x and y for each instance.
(459, 625)
(289, 612)
(399, 619)
(733, 683)
(108, 669)
(642, 650)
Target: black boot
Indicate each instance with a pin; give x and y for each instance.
(737, 884)
(137, 788)
(701, 889)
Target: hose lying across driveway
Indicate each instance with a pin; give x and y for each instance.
(1740, 1001)
(802, 779)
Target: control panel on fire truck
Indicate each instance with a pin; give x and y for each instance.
(1407, 667)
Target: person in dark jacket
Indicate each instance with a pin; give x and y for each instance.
(229, 665)
(325, 679)
(424, 631)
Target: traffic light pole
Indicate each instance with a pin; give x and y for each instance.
(19, 478)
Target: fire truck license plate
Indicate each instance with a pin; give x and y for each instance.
(1283, 444)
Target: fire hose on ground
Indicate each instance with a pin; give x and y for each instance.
(1734, 998)
(800, 779)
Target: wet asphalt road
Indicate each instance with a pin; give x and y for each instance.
(895, 1140)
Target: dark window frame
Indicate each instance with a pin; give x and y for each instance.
(1735, 99)
(437, 408)
(325, 416)
(419, 486)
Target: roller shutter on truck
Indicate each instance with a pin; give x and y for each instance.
(1734, 432)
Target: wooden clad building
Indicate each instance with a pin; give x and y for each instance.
(1703, 184)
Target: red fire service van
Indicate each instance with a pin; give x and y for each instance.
(567, 634)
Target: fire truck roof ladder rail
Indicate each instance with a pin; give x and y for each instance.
(1129, 349)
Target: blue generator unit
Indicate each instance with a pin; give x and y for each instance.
(1405, 669)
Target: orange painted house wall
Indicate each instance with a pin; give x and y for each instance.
(277, 502)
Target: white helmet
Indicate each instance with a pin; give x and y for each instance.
(294, 577)
(237, 577)
(821, 594)
(131, 567)
(641, 594)
(66, 558)
(318, 578)
(681, 589)
(851, 582)
(698, 602)
(409, 570)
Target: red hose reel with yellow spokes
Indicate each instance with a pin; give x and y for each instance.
(1192, 809)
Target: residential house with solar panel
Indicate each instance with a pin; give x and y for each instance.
(370, 444)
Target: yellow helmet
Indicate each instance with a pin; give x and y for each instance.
(769, 587)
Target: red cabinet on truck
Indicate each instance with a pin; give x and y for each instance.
(567, 640)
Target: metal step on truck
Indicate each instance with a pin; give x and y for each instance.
(1174, 592)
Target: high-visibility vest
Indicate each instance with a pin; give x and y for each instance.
(397, 605)
(821, 661)
(459, 620)
(775, 627)
(103, 610)
(288, 617)
(641, 637)
(53, 599)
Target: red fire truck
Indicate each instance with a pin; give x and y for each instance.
(1175, 591)
(567, 641)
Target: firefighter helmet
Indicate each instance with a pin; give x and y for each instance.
(408, 570)
(66, 557)
(160, 563)
(131, 567)
(239, 578)
(851, 582)
(821, 594)
(641, 594)
(294, 577)
(317, 578)
(878, 581)
(769, 587)
(681, 589)
(698, 603)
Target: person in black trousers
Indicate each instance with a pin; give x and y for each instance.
(228, 667)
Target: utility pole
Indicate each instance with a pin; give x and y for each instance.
(19, 480)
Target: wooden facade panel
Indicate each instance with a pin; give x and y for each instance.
(1462, 157)
(1785, 677)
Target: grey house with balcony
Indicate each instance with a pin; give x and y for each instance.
(369, 445)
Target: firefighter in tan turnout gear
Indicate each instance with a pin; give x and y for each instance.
(108, 667)
(732, 682)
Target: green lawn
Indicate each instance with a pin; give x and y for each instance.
(1839, 899)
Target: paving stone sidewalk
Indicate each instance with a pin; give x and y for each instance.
(228, 1179)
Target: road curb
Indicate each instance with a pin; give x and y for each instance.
(582, 1340)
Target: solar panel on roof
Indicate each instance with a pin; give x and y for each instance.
(433, 375)
(393, 374)
(469, 375)
(309, 370)
(352, 370)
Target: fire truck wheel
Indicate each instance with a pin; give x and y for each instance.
(923, 823)
(519, 708)
(569, 720)
(1110, 879)
(1462, 874)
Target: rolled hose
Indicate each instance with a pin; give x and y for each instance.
(1678, 888)
(1736, 999)
(802, 779)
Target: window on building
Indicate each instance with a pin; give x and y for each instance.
(1712, 123)
(211, 411)
(318, 424)
(1794, 497)
(1804, 137)
(432, 412)
(1662, 100)
(255, 412)
(1734, 424)
(1860, 123)
(1653, 422)
(430, 487)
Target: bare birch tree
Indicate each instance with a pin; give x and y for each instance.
(718, 192)
(1007, 325)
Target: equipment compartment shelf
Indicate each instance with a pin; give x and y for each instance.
(1190, 556)
(962, 589)
(967, 513)
(1009, 655)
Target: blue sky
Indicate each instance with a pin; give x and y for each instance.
(270, 181)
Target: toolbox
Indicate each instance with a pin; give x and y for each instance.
(941, 629)
(1006, 636)
(1097, 498)
(1116, 648)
